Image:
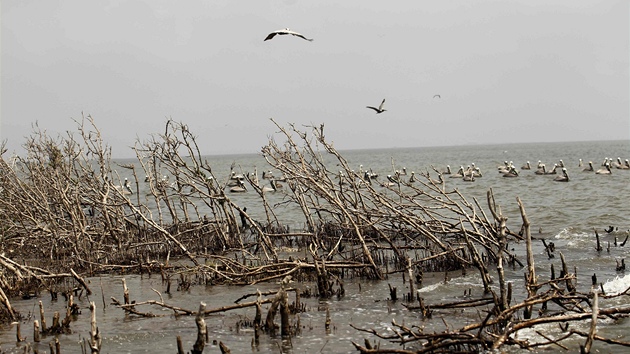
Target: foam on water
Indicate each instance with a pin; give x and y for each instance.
(617, 285)
(575, 238)
(430, 288)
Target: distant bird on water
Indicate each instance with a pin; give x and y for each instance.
(379, 109)
(286, 31)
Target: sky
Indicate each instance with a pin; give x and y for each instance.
(506, 71)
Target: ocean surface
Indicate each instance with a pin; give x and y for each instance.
(565, 213)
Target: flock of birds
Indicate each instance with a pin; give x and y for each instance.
(287, 31)
(237, 182)
(509, 170)
(468, 174)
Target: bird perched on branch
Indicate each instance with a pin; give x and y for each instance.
(286, 31)
(379, 109)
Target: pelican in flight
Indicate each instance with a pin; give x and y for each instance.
(286, 31)
(379, 109)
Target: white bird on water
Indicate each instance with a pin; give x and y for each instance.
(379, 109)
(286, 31)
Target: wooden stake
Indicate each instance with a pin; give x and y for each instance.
(36, 331)
(530, 276)
(180, 346)
(412, 287)
(285, 327)
(18, 334)
(224, 348)
(202, 334)
(593, 330)
(42, 317)
(125, 292)
(81, 281)
(7, 304)
(95, 337)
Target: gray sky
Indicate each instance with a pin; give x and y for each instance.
(507, 71)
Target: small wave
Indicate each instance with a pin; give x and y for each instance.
(553, 330)
(575, 238)
(456, 283)
(429, 288)
(617, 285)
(569, 233)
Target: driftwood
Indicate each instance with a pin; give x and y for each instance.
(202, 332)
(66, 198)
(343, 212)
(224, 349)
(95, 336)
(561, 292)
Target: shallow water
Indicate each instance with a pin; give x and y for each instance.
(565, 213)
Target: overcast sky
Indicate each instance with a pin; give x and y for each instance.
(506, 71)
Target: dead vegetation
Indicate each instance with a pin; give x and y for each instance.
(65, 212)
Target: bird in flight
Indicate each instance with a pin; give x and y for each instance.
(438, 96)
(286, 31)
(379, 109)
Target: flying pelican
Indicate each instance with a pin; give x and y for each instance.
(379, 109)
(286, 31)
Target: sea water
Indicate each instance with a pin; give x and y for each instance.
(564, 213)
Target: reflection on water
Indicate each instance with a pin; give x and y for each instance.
(564, 213)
